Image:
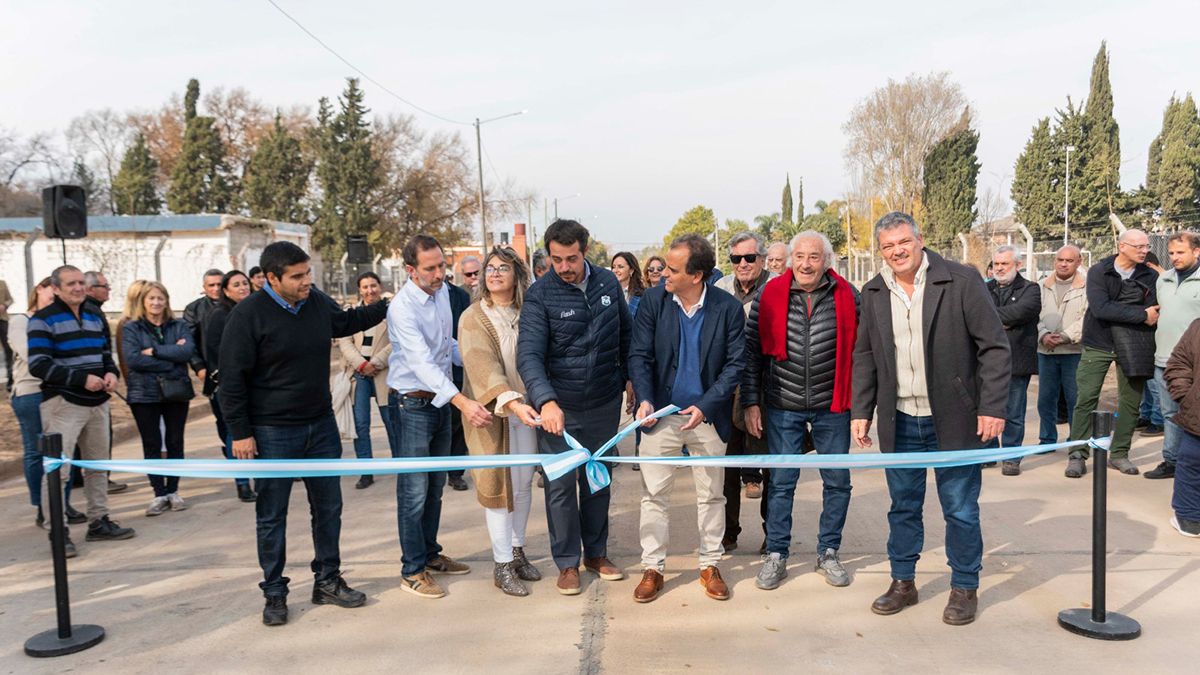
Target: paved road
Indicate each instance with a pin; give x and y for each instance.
(181, 596)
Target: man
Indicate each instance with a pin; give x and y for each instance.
(922, 307)
(460, 300)
(1179, 305)
(257, 278)
(196, 315)
(777, 258)
(275, 397)
(540, 266)
(799, 345)
(420, 326)
(70, 352)
(1150, 415)
(1060, 330)
(687, 350)
(1122, 305)
(469, 269)
(748, 257)
(572, 354)
(98, 293)
(1018, 303)
(6, 301)
(1182, 376)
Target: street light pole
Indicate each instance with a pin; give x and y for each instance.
(479, 155)
(1067, 199)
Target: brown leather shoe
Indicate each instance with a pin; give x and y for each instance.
(714, 585)
(899, 595)
(649, 587)
(960, 609)
(604, 567)
(568, 581)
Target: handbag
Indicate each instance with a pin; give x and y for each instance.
(176, 390)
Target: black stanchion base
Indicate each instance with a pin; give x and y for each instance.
(47, 643)
(1115, 626)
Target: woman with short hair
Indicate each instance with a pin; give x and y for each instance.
(655, 266)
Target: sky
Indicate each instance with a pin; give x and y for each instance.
(642, 109)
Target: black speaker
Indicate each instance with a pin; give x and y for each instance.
(64, 211)
(358, 252)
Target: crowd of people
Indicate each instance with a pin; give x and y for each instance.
(781, 357)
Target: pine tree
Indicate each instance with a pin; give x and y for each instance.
(786, 211)
(277, 178)
(85, 178)
(200, 182)
(1178, 181)
(951, 173)
(348, 171)
(1034, 182)
(1089, 205)
(134, 191)
(1100, 153)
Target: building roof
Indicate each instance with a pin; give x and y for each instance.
(159, 223)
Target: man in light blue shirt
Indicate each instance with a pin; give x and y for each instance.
(419, 387)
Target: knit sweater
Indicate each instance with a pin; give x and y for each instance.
(274, 365)
(64, 349)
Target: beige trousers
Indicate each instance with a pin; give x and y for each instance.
(86, 426)
(666, 439)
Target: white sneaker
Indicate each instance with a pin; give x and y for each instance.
(177, 503)
(159, 506)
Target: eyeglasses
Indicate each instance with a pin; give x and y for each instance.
(471, 274)
(1137, 247)
(749, 257)
(502, 269)
(653, 270)
(101, 286)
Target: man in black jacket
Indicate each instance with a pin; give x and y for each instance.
(1118, 326)
(275, 396)
(687, 350)
(1019, 304)
(572, 356)
(196, 315)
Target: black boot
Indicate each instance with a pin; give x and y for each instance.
(246, 494)
(335, 592)
(275, 613)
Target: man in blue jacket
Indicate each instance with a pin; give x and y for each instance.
(571, 354)
(687, 349)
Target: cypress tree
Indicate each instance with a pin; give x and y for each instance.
(277, 178)
(200, 181)
(348, 171)
(190, 99)
(1178, 181)
(1034, 182)
(951, 173)
(786, 210)
(1154, 159)
(1101, 149)
(134, 191)
(800, 201)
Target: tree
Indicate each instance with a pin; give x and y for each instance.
(1178, 178)
(1100, 154)
(950, 174)
(1034, 202)
(786, 211)
(348, 171)
(200, 181)
(770, 226)
(276, 180)
(800, 201)
(82, 176)
(134, 190)
(696, 220)
(828, 221)
(597, 254)
(893, 129)
(98, 139)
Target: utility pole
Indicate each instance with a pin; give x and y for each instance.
(482, 218)
(1067, 199)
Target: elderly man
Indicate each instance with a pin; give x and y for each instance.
(540, 266)
(922, 307)
(1060, 330)
(1118, 326)
(98, 291)
(469, 269)
(1018, 303)
(748, 257)
(1179, 305)
(777, 257)
(799, 341)
(687, 350)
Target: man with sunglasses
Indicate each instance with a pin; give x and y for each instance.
(747, 253)
(470, 268)
(1118, 326)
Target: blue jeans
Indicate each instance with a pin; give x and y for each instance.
(316, 440)
(29, 417)
(227, 446)
(1186, 498)
(1150, 409)
(1169, 406)
(785, 436)
(958, 492)
(1056, 375)
(421, 430)
(364, 398)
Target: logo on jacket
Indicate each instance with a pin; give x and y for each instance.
(605, 300)
(566, 314)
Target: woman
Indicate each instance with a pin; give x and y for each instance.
(131, 299)
(625, 267)
(365, 356)
(156, 348)
(655, 266)
(235, 287)
(27, 395)
(487, 335)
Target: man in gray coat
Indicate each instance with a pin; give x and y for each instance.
(918, 303)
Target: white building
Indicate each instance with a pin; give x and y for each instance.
(174, 249)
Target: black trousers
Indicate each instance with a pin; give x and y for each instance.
(8, 352)
(458, 444)
(578, 518)
(174, 419)
(734, 477)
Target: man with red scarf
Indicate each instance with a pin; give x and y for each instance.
(799, 342)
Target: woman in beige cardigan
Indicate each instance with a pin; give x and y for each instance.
(487, 339)
(365, 356)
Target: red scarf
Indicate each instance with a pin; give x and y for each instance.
(772, 329)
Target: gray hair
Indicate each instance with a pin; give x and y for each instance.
(56, 275)
(470, 258)
(1008, 248)
(91, 278)
(891, 221)
(1073, 247)
(539, 260)
(826, 247)
(742, 237)
(778, 243)
(1128, 234)
(213, 272)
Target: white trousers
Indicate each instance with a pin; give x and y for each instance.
(507, 528)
